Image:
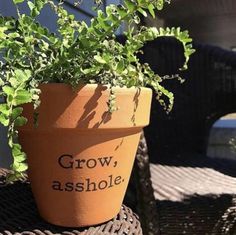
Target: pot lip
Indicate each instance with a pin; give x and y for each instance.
(88, 87)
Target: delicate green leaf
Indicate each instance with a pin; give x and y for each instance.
(13, 176)
(14, 82)
(160, 4)
(19, 166)
(130, 5)
(144, 13)
(2, 32)
(151, 10)
(4, 120)
(20, 158)
(20, 121)
(4, 109)
(120, 66)
(122, 12)
(31, 5)
(17, 153)
(22, 97)
(99, 59)
(16, 149)
(16, 112)
(22, 75)
(8, 90)
(18, 1)
(1, 82)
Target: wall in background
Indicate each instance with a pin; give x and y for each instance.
(222, 133)
(208, 21)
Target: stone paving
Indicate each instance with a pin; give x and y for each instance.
(222, 133)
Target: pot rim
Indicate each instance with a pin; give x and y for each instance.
(87, 87)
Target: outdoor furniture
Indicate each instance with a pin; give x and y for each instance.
(190, 193)
(18, 215)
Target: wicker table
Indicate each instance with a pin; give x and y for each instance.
(18, 215)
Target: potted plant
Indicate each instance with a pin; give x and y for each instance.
(78, 102)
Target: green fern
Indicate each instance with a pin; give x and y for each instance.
(78, 53)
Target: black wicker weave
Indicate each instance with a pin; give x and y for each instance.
(18, 215)
(194, 194)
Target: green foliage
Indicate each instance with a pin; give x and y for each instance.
(78, 53)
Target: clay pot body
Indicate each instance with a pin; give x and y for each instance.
(80, 157)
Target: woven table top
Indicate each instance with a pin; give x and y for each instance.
(18, 215)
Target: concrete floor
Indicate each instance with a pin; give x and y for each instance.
(230, 116)
(222, 133)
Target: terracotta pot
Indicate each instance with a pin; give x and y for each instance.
(80, 157)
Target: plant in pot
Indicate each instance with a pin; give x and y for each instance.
(75, 103)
